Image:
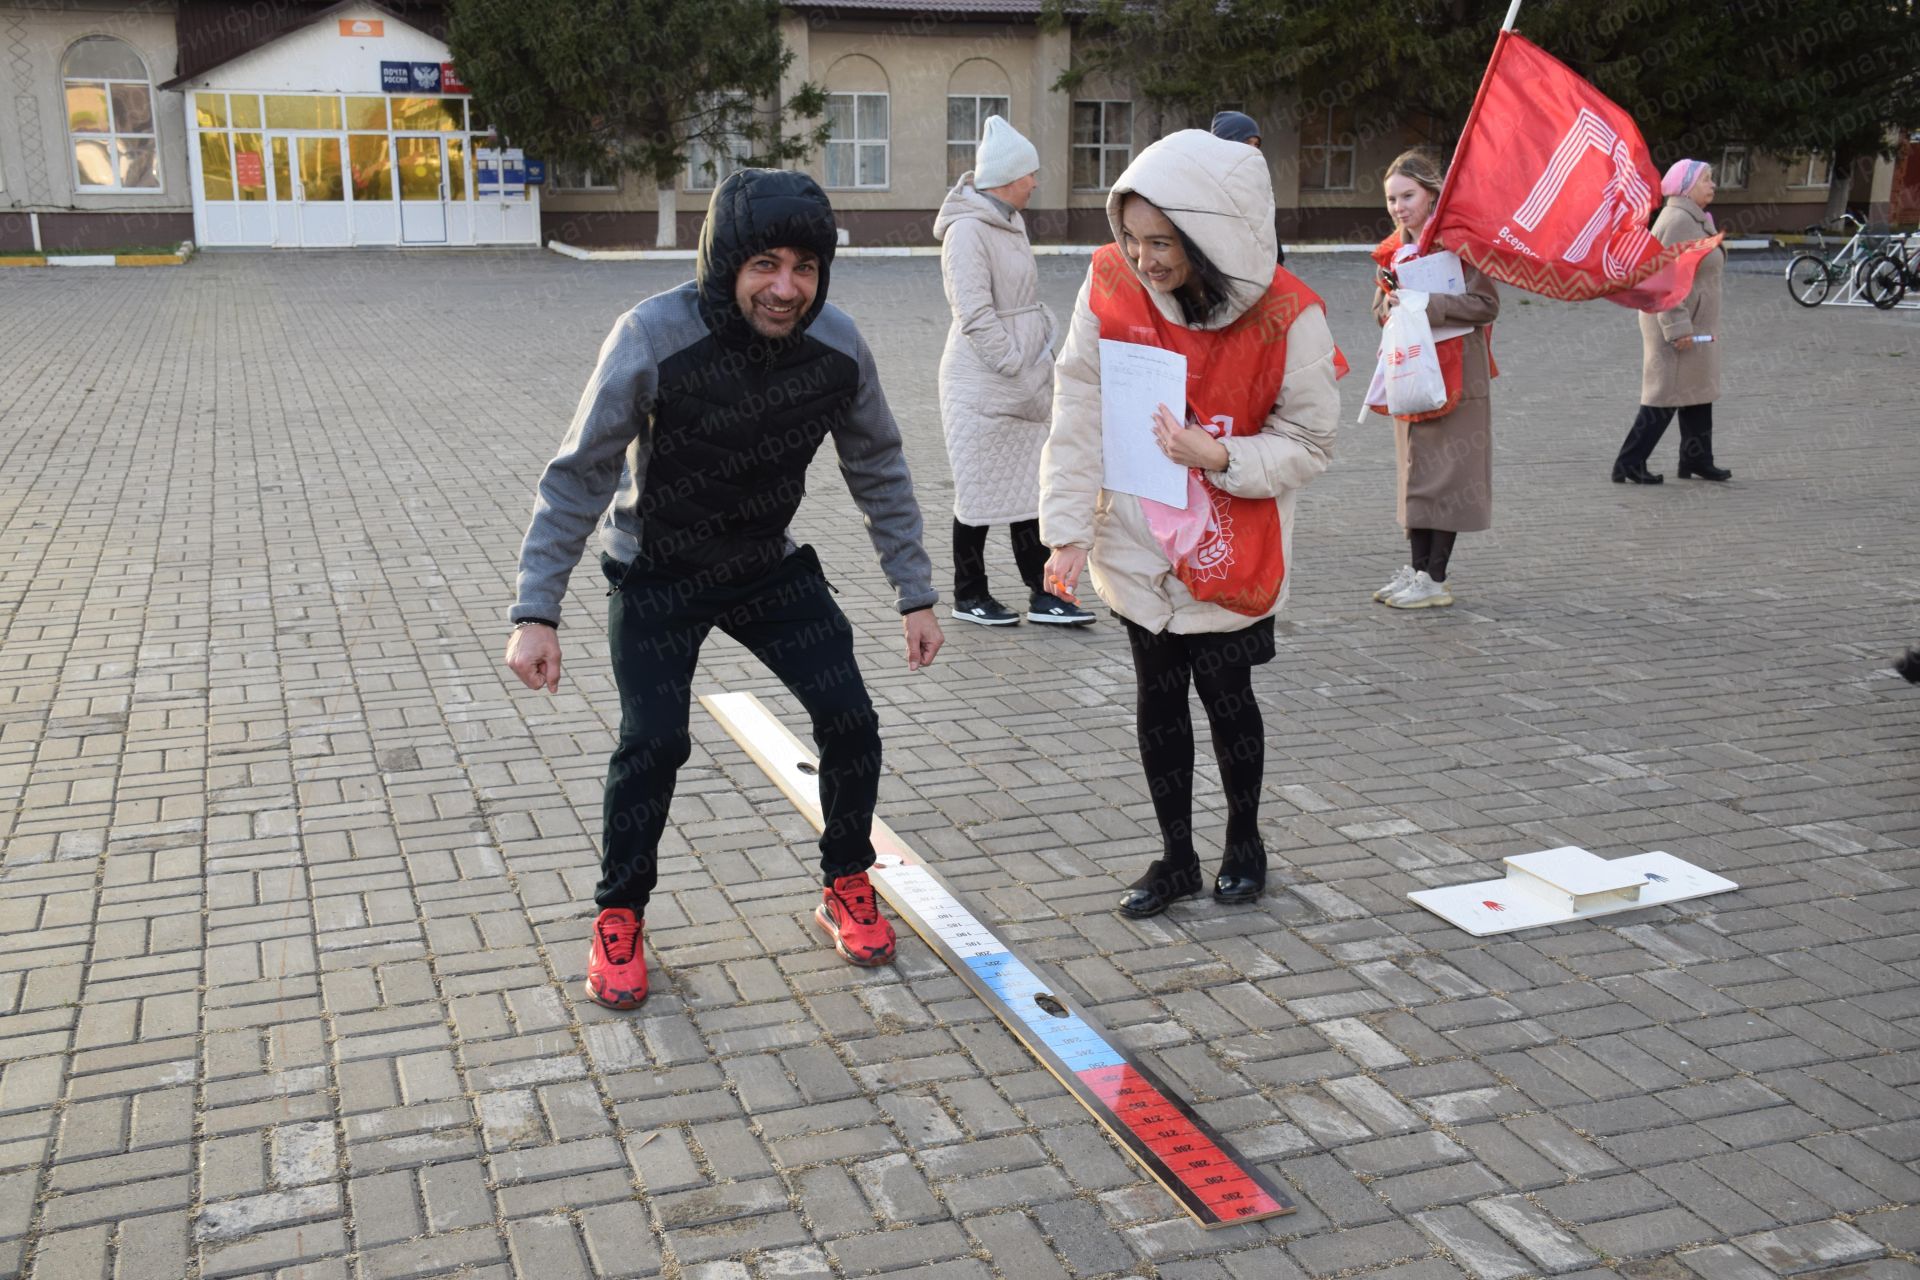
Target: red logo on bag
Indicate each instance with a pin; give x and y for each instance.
(1491, 905)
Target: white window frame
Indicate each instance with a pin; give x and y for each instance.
(735, 145)
(1103, 147)
(113, 135)
(980, 114)
(1328, 145)
(1722, 173)
(1804, 181)
(594, 181)
(858, 141)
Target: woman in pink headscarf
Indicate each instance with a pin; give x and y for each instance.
(1680, 357)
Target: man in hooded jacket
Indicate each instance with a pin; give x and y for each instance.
(689, 451)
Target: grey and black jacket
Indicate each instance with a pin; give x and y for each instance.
(691, 443)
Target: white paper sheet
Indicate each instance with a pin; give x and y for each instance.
(1438, 272)
(1134, 379)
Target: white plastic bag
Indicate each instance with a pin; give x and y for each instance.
(1409, 366)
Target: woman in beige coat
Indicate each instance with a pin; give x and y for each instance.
(1679, 359)
(1193, 218)
(1444, 461)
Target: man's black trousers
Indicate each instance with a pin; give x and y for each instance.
(787, 617)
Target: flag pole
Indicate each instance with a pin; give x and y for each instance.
(1513, 11)
(1424, 243)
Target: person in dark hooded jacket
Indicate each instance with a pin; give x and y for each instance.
(689, 450)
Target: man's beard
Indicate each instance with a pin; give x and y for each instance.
(768, 326)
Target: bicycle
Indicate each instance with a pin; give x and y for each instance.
(1888, 274)
(1811, 275)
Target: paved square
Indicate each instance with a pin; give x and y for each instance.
(296, 878)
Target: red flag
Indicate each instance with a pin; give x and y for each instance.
(1551, 186)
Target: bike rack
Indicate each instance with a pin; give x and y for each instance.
(1852, 292)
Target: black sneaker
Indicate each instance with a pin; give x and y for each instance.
(1046, 607)
(987, 612)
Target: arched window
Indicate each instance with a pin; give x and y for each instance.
(859, 131)
(110, 128)
(977, 89)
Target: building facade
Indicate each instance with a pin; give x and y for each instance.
(246, 126)
(297, 124)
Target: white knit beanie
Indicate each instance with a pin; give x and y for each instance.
(1004, 155)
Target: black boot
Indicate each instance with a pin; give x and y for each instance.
(1696, 445)
(1164, 883)
(1631, 462)
(1243, 875)
(1909, 666)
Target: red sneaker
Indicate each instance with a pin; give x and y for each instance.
(851, 917)
(617, 969)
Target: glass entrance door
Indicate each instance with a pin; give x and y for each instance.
(421, 164)
(320, 189)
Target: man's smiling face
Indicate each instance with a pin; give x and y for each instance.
(775, 290)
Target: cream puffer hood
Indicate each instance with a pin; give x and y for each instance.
(1220, 195)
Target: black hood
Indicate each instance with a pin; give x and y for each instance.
(752, 211)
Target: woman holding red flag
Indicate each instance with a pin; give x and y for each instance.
(1192, 271)
(1445, 457)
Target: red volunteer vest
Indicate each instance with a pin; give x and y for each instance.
(1233, 380)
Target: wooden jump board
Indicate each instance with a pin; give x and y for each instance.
(1200, 1168)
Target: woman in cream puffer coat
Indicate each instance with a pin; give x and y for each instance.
(1190, 209)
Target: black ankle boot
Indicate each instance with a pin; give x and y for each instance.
(1243, 876)
(1164, 883)
(1703, 471)
(1909, 666)
(1637, 474)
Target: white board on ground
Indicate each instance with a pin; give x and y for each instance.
(1508, 905)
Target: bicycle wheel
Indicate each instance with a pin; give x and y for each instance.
(1882, 280)
(1808, 279)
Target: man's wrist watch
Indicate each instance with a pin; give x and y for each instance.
(535, 622)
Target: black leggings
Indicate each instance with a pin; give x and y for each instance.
(970, 558)
(1220, 667)
(1431, 549)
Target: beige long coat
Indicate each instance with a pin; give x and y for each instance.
(1220, 195)
(1670, 378)
(996, 374)
(1445, 465)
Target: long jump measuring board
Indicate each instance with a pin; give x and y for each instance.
(1215, 1183)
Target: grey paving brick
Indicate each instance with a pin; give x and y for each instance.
(1343, 1251)
(1533, 1233)
(1655, 1234)
(546, 1247)
(1810, 1246)
(1015, 1246)
(896, 1250)
(620, 1244)
(1472, 1244)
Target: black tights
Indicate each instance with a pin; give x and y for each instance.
(970, 558)
(1220, 667)
(1432, 548)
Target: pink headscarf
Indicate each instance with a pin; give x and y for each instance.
(1681, 177)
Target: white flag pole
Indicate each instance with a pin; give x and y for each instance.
(1513, 11)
